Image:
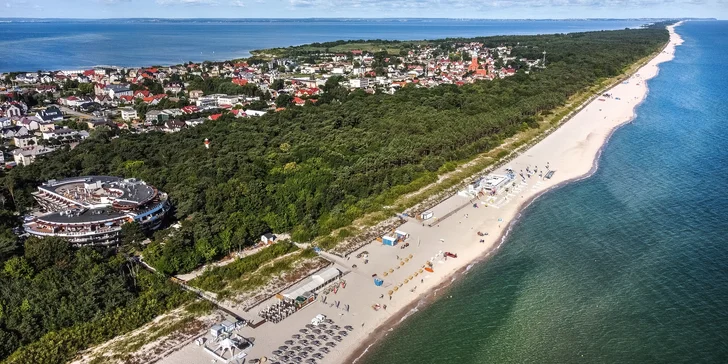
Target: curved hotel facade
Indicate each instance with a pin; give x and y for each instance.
(91, 210)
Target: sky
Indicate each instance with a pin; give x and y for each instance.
(486, 9)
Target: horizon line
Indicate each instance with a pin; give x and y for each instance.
(351, 18)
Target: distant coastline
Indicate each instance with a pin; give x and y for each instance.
(68, 44)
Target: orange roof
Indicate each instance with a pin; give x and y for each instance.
(215, 116)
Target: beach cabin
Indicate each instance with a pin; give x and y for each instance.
(268, 238)
(319, 319)
(217, 330)
(401, 235)
(388, 240)
(427, 215)
(228, 326)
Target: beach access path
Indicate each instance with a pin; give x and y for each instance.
(570, 151)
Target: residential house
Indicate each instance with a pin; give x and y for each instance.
(13, 110)
(155, 116)
(28, 155)
(116, 91)
(64, 133)
(190, 109)
(194, 122)
(196, 94)
(128, 113)
(250, 112)
(5, 122)
(206, 102)
(31, 123)
(14, 131)
(359, 83)
(45, 126)
(25, 141)
(50, 114)
(95, 123)
(173, 126)
(227, 100)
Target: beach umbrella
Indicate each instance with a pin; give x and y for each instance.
(331, 344)
(335, 327)
(296, 348)
(410, 278)
(391, 270)
(316, 331)
(283, 347)
(308, 348)
(303, 331)
(390, 292)
(310, 337)
(385, 274)
(277, 352)
(396, 288)
(296, 336)
(343, 333)
(329, 321)
(401, 263)
(420, 270)
(417, 273)
(348, 327)
(406, 280)
(289, 342)
(406, 260)
(410, 256)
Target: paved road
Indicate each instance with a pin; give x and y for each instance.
(68, 111)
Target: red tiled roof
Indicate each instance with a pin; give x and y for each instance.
(240, 81)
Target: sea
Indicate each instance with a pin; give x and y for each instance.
(52, 44)
(627, 266)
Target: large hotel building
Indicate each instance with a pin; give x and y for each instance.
(91, 210)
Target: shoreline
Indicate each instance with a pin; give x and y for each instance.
(429, 296)
(572, 150)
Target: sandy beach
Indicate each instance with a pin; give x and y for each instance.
(571, 152)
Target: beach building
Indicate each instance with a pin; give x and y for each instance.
(91, 210)
(311, 284)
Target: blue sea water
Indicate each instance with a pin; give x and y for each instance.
(73, 44)
(627, 266)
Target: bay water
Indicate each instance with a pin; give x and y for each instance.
(627, 266)
(57, 44)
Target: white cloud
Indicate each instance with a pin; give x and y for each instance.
(238, 3)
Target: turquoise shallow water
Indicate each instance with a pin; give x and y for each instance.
(628, 266)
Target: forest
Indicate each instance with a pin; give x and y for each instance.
(304, 170)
